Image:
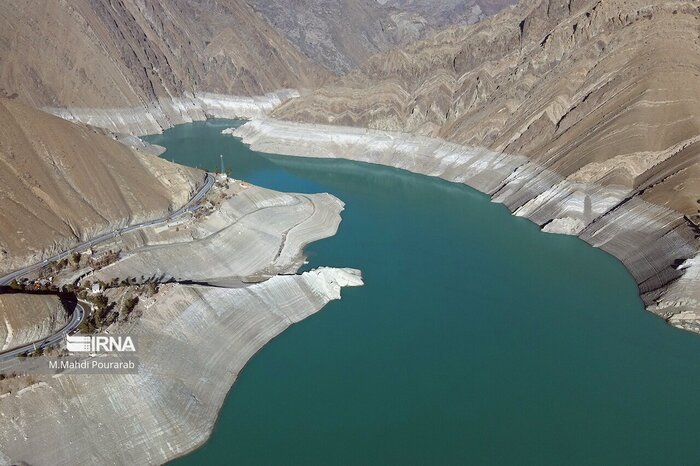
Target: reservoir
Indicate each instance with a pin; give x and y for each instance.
(477, 339)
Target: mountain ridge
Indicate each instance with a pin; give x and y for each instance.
(131, 53)
(579, 115)
(61, 183)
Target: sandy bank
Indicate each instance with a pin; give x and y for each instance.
(256, 234)
(653, 241)
(193, 343)
(193, 340)
(154, 117)
(26, 318)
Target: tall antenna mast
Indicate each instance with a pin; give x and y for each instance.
(221, 156)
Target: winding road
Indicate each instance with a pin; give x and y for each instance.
(76, 319)
(79, 312)
(190, 206)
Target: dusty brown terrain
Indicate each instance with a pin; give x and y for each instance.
(601, 97)
(139, 67)
(342, 34)
(193, 340)
(450, 12)
(597, 91)
(580, 115)
(40, 315)
(128, 53)
(568, 84)
(61, 182)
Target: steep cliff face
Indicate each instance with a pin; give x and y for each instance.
(599, 92)
(25, 318)
(140, 66)
(127, 53)
(61, 182)
(580, 115)
(338, 34)
(191, 341)
(450, 12)
(342, 34)
(532, 79)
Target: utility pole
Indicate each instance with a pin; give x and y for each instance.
(221, 156)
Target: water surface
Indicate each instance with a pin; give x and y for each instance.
(477, 339)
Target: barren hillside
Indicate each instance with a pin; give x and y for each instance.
(61, 182)
(598, 91)
(25, 318)
(128, 53)
(342, 34)
(581, 116)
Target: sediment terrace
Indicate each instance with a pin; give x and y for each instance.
(40, 315)
(254, 234)
(157, 115)
(599, 96)
(657, 244)
(63, 183)
(193, 339)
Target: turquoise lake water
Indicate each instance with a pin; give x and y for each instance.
(477, 339)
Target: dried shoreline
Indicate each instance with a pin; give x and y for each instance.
(193, 339)
(656, 244)
(154, 117)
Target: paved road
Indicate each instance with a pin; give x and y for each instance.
(79, 313)
(77, 318)
(190, 206)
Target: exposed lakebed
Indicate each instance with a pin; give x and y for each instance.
(477, 339)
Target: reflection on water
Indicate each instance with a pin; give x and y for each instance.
(477, 339)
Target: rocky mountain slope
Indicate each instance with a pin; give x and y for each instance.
(450, 12)
(25, 318)
(141, 66)
(128, 53)
(523, 79)
(342, 34)
(61, 182)
(191, 341)
(580, 115)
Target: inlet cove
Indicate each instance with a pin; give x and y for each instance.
(477, 338)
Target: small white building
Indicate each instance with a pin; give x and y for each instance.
(97, 288)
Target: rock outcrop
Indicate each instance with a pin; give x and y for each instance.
(138, 67)
(450, 12)
(192, 339)
(61, 183)
(581, 115)
(192, 344)
(531, 80)
(26, 318)
(132, 53)
(342, 34)
(652, 240)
